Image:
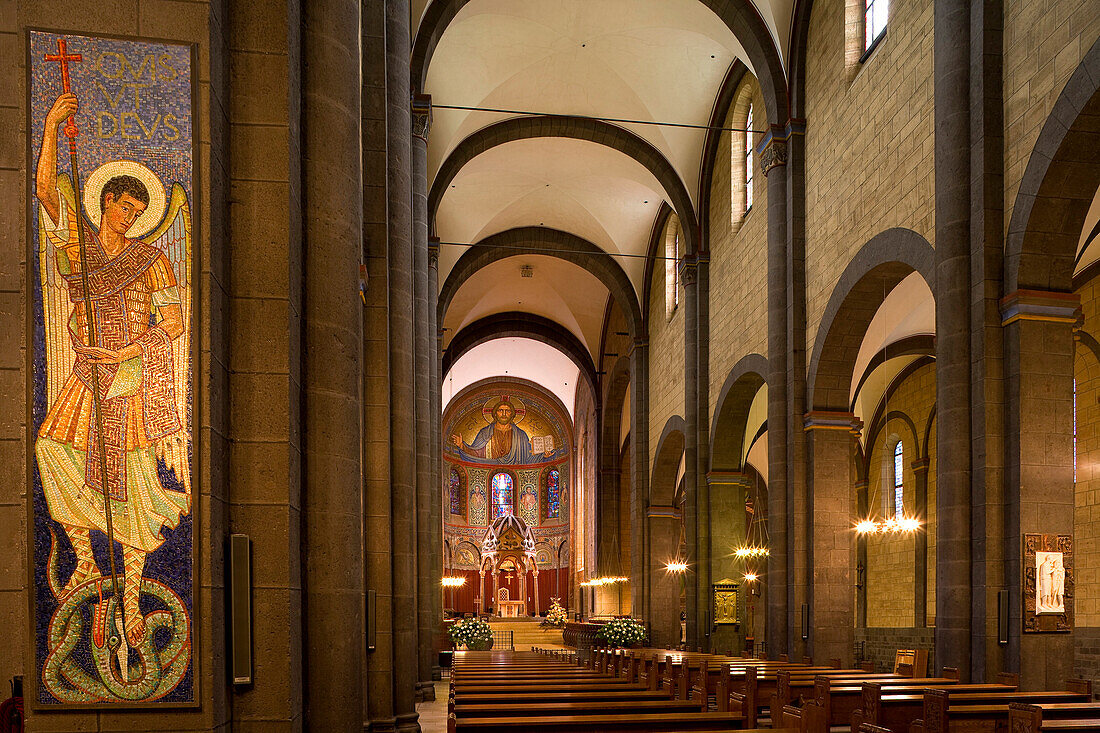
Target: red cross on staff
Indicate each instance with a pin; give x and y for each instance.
(63, 57)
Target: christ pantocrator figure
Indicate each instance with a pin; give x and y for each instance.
(138, 315)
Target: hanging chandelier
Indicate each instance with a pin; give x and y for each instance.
(891, 526)
(607, 580)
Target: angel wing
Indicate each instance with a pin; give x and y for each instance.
(56, 305)
(173, 237)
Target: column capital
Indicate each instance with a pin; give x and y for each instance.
(421, 116)
(688, 270)
(662, 512)
(433, 253)
(728, 478)
(920, 465)
(1040, 305)
(828, 420)
(772, 148)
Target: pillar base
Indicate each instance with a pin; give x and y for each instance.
(408, 723)
(425, 692)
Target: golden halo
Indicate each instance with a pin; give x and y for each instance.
(153, 213)
(520, 408)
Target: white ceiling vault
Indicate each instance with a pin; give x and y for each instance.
(628, 62)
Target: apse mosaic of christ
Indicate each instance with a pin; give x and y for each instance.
(111, 195)
(503, 441)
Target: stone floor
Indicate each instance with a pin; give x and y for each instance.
(433, 715)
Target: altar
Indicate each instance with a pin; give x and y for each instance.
(512, 609)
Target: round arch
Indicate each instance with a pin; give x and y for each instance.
(1057, 187)
(666, 461)
(553, 243)
(877, 268)
(575, 128)
(524, 325)
(727, 430)
(741, 18)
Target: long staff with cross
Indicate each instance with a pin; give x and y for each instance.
(63, 57)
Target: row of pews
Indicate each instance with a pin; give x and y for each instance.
(548, 690)
(812, 699)
(663, 690)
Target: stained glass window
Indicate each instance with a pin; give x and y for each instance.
(875, 14)
(553, 493)
(456, 492)
(899, 473)
(503, 495)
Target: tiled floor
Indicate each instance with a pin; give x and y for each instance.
(433, 715)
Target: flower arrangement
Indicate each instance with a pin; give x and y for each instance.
(622, 632)
(555, 617)
(474, 633)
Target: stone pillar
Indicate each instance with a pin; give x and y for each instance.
(728, 531)
(377, 510)
(832, 612)
(861, 488)
(1039, 348)
(782, 607)
(435, 386)
(427, 554)
(688, 272)
(704, 577)
(639, 478)
(920, 549)
(953, 492)
(665, 586)
(402, 385)
(332, 539)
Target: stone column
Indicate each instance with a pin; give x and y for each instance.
(861, 487)
(332, 538)
(953, 492)
(704, 577)
(639, 478)
(688, 272)
(782, 607)
(377, 529)
(435, 386)
(402, 386)
(427, 553)
(664, 620)
(920, 549)
(1039, 349)
(832, 612)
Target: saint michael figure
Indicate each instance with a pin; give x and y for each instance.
(138, 359)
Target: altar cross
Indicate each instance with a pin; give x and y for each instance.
(63, 57)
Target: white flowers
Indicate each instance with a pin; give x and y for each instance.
(473, 633)
(622, 632)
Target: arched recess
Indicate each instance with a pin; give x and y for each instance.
(1057, 187)
(666, 462)
(718, 116)
(727, 431)
(609, 494)
(576, 128)
(877, 268)
(525, 325)
(552, 243)
(741, 18)
(663, 529)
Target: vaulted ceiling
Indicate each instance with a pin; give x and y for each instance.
(626, 63)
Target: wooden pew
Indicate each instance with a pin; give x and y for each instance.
(898, 711)
(945, 711)
(834, 703)
(608, 723)
(1025, 718)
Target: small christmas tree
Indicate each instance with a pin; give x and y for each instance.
(556, 616)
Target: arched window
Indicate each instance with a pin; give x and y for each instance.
(742, 154)
(748, 160)
(456, 487)
(875, 14)
(551, 491)
(899, 483)
(672, 257)
(503, 494)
